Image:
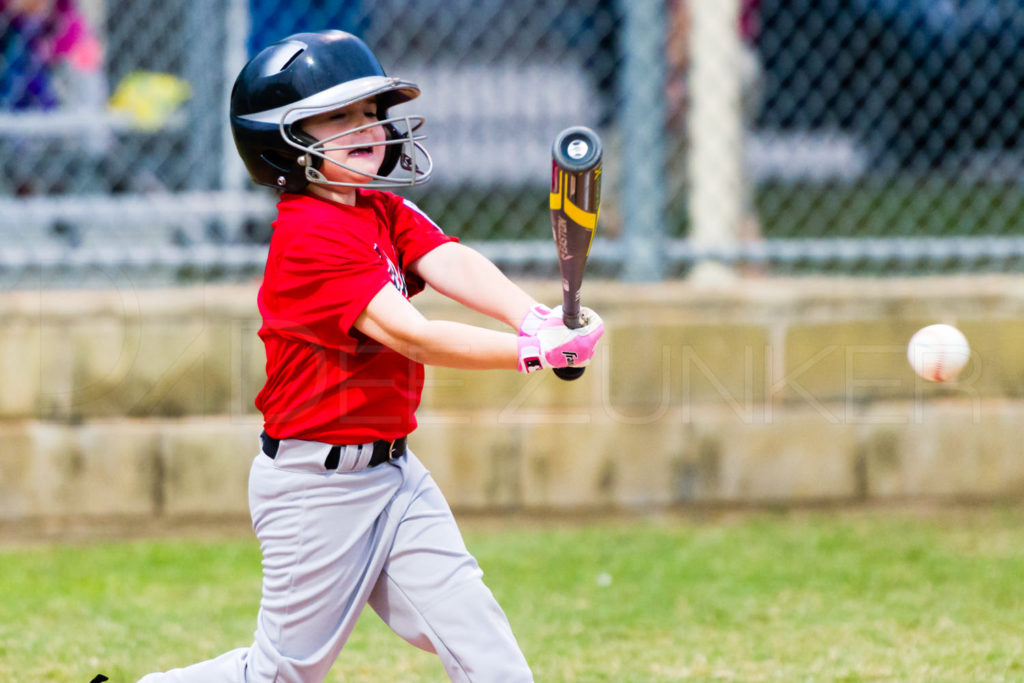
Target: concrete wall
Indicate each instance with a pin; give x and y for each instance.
(138, 404)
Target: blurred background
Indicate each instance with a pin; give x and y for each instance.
(791, 189)
(786, 137)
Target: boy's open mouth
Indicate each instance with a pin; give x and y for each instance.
(360, 151)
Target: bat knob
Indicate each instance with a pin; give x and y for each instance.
(569, 374)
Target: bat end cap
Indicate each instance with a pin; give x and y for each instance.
(577, 149)
(569, 374)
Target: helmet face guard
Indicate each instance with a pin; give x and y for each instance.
(309, 74)
(402, 146)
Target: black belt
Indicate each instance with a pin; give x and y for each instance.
(383, 451)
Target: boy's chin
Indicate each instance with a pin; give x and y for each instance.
(360, 176)
(349, 179)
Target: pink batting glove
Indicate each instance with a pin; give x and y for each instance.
(557, 346)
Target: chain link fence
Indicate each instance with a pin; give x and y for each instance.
(894, 128)
(776, 136)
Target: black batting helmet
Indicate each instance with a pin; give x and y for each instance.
(307, 74)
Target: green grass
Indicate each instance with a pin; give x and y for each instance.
(897, 207)
(871, 595)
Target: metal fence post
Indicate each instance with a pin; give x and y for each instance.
(642, 99)
(204, 25)
(233, 175)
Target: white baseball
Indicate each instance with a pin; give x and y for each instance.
(938, 352)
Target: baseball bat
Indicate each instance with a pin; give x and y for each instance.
(575, 203)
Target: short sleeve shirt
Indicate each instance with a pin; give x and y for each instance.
(326, 381)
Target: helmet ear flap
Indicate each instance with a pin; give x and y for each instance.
(392, 153)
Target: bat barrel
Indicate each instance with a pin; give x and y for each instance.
(575, 202)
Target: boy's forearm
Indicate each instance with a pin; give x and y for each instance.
(469, 278)
(456, 345)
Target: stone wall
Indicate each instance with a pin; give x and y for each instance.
(138, 404)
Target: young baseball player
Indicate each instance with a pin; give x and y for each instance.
(345, 513)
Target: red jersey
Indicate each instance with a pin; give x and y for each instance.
(325, 380)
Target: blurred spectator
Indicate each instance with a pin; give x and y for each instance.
(272, 20)
(751, 71)
(50, 58)
(678, 60)
(752, 99)
(39, 39)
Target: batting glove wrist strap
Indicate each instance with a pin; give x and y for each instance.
(530, 357)
(532, 321)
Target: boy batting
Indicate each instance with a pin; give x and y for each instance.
(345, 513)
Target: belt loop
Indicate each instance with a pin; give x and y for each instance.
(333, 458)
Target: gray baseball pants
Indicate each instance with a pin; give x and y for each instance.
(333, 541)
